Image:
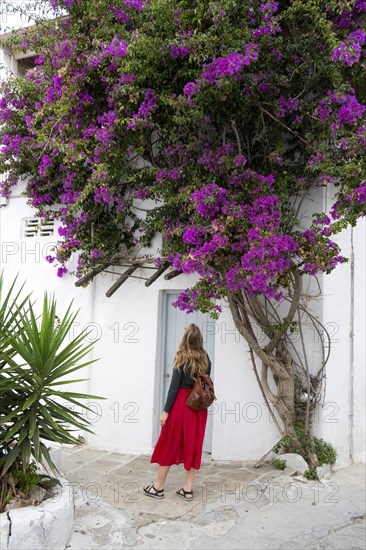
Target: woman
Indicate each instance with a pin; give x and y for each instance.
(183, 429)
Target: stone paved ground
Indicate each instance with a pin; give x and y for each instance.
(236, 506)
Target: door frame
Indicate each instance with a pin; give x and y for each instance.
(159, 358)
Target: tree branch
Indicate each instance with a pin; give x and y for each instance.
(287, 128)
(263, 393)
(246, 331)
(233, 125)
(291, 312)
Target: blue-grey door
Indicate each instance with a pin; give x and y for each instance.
(174, 323)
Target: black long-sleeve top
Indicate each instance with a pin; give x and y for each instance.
(181, 379)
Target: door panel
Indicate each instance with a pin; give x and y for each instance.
(174, 323)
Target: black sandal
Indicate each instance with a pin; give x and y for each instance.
(182, 493)
(155, 494)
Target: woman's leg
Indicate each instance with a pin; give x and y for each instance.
(160, 479)
(161, 476)
(190, 474)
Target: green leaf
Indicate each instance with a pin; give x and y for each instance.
(47, 456)
(9, 459)
(31, 399)
(36, 443)
(16, 427)
(32, 422)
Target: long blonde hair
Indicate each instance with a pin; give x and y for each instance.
(190, 352)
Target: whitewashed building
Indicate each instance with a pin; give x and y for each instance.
(137, 332)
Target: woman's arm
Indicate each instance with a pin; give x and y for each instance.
(209, 365)
(173, 389)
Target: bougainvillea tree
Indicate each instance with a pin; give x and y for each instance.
(224, 114)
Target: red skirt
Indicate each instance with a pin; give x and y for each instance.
(181, 437)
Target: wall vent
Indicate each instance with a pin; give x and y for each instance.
(37, 227)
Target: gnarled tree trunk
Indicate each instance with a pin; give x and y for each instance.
(276, 357)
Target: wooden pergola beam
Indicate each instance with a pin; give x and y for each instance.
(156, 275)
(172, 274)
(137, 263)
(121, 280)
(89, 276)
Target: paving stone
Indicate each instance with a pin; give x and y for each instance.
(120, 457)
(104, 465)
(87, 454)
(283, 479)
(235, 476)
(350, 536)
(116, 514)
(81, 475)
(228, 465)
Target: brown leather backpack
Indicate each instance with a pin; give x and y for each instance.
(202, 394)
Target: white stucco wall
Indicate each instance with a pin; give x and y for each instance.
(342, 419)
(128, 327)
(25, 258)
(243, 427)
(127, 374)
(359, 343)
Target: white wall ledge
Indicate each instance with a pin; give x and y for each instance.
(45, 526)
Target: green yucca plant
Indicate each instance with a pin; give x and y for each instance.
(36, 356)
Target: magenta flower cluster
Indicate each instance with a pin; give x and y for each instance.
(219, 118)
(138, 5)
(230, 65)
(349, 51)
(141, 118)
(343, 108)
